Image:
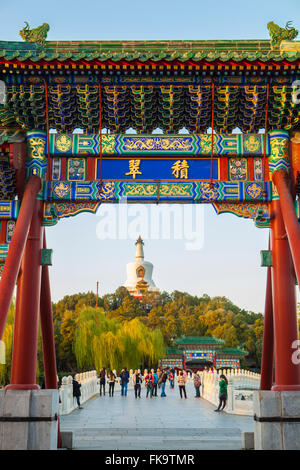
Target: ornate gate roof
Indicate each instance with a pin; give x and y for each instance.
(147, 85)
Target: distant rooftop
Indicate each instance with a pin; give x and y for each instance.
(198, 340)
(173, 351)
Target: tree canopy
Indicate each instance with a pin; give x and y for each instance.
(170, 315)
(124, 331)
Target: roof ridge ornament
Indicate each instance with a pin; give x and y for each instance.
(278, 34)
(37, 35)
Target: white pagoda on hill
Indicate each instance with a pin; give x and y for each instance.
(139, 273)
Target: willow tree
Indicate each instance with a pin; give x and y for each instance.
(141, 343)
(108, 350)
(91, 323)
(104, 341)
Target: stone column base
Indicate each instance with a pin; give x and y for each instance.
(276, 420)
(28, 419)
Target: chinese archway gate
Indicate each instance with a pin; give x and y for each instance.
(197, 85)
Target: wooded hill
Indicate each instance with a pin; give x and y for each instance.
(171, 315)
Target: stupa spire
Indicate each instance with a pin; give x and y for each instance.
(139, 273)
(139, 248)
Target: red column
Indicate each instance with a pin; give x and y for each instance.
(25, 349)
(295, 160)
(17, 330)
(17, 161)
(281, 181)
(287, 374)
(15, 252)
(3, 225)
(47, 329)
(266, 380)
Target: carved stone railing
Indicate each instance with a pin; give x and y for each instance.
(241, 385)
(89, 388)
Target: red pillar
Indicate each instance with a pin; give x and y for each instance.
(17, 330)
(3, 225)
(266, 380)
(281, 181)
(47, 329)
(15, 252)
(295, 160)
(24, 359)
(287, 374)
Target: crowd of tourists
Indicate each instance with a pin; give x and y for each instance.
(154, 382)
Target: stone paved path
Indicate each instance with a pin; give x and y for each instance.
(171, 423)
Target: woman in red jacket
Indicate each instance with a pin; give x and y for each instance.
(149, 381)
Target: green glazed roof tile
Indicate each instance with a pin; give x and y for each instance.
(173, 351)
(198, 340)
(145, 50)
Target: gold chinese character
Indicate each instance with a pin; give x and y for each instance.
(180, 169)
(134, 168)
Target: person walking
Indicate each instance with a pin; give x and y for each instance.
(197, 384)
(163, 379)
(124, 376)
(149, 381)
(76, 391)
(155, 383)
(136, 382)
(171, 378)
(223, 384)
(159, 373)
(181, 383)
(111, 378)
(102, 377)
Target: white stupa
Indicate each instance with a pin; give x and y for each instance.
(139, 273)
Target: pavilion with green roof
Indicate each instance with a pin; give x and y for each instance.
(198, 352)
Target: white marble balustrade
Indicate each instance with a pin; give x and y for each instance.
(241, 384)
(89, 388)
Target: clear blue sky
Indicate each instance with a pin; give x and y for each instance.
(229, 263)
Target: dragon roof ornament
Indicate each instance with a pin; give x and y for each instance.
(37, 35)
(279, 34)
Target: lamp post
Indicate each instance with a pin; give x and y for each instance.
(97, 296)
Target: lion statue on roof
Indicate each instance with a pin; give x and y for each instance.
(37, 35)
(279, 34)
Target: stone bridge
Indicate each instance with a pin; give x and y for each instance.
(126, 423)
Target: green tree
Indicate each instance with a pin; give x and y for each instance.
(174, 314)
(129, 309)
(103, 341)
